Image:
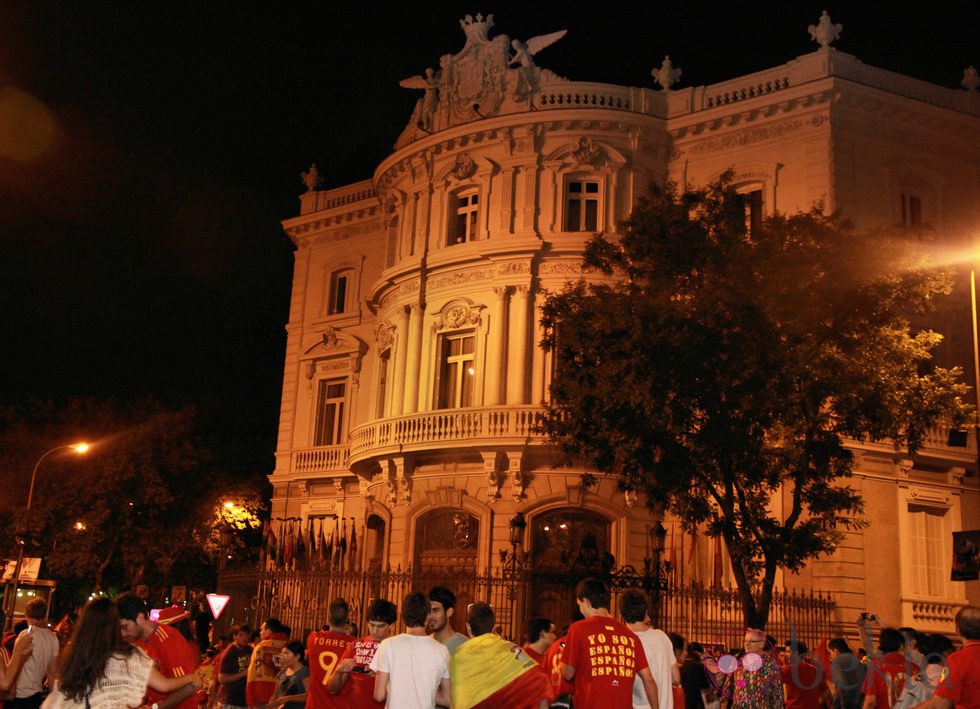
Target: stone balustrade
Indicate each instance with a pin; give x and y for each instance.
(447, 426)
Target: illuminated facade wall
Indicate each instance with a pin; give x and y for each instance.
(413, 371)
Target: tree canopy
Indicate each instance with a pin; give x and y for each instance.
(143, 505)
(712, 366)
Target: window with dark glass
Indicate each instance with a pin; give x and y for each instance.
(340, 283)
(911, 211)
(329, 425)
(753, 210)
(582, 206)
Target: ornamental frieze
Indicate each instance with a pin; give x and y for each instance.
(514, 268)
(757, 134)
(559, 268)
(459, 278)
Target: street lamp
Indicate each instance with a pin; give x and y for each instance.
(79, 449)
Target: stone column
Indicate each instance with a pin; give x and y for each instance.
(496, 346)
(412, 358)
(399, 361)
(517, 350)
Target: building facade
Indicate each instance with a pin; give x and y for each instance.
(414, 373)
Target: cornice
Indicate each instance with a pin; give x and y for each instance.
(742, 114)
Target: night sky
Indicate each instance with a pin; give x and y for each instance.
(148, 151)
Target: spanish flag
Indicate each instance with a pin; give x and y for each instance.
(488, 672)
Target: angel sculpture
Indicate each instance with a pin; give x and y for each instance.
(430, 100)
(523, 51)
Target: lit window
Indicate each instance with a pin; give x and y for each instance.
(340, 283)
(927, 555)
(331, 395)
(456, 370)
(911, 211)
(582, 206)
(464, 218)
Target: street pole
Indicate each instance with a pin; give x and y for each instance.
(11, 603)
(976, 361)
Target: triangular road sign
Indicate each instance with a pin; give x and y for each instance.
(217, 603)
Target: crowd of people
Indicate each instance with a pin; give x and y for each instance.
(118, 658)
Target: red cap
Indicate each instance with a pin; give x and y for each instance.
(172, 615)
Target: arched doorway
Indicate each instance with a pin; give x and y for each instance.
(567, 545)
(446, 543)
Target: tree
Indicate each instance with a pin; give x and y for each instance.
(714, 369)
(138, 506)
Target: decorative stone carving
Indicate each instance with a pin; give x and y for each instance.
(386, 336)
(629, 498)
(587, 153)
(458, 313)
(330, 337)
(493, 477)
(825, 32)
(311, 178)
(971, 81)
(464, 167)
(666, 75)
(480, 79)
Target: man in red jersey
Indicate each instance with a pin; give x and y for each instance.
(173, 653)
(324, 650)
(353, 671)
(540, 636)
(960, 688)
(887, 674)
(561, 691)
(803, 680)
(602, 657)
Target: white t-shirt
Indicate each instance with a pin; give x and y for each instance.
(660, 656)
(123, 685)
(44, 650)
(415, 664)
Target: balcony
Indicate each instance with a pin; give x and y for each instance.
(499, 425)
(323, 459)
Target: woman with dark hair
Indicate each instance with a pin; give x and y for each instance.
(294, 678)
(100, 670)
(846, 675)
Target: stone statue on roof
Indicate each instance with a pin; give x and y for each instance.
(667, 75)
(825, 32)
(488, 76)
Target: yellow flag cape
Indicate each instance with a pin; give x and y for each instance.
(487, 665)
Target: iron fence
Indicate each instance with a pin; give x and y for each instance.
(708, 614)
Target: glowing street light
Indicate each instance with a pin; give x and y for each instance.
(80, 449)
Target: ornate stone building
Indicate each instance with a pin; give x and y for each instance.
(413, 372)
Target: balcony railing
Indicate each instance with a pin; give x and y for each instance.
(321, 459)
(513, 423)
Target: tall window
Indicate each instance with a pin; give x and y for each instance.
(911, 211)
(340, 284)
(753, 210)
(582, 206)
(464, 218)
(384, 360)
(927, 554)
(331, 394)
(456, 370)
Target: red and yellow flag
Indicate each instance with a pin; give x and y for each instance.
(489, 671)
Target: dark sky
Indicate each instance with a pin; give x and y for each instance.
(141, 252)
